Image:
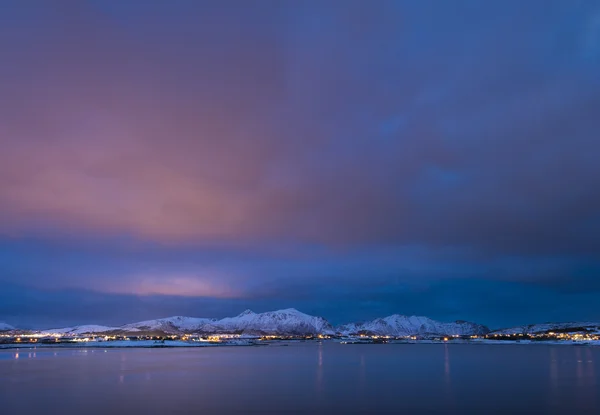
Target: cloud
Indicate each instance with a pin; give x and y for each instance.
(259, 123)
(259, 149)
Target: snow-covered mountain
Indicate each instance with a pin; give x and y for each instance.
(283, 322)
(288, 321)
(78, 330)
(293, 322)
(5, 327)
(177, 324)
(399, 325)
(573, 326)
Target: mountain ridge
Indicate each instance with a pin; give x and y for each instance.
(292, 322)
(6, 327)
(287, 321)
(401, 325)
(538, 328)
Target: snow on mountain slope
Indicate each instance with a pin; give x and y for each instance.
(399, 325)
(547, 327)
(78, 330)
(284, 322)
(288, 321)
(175, 324)
(5, 327)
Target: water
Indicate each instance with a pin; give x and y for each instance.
(303, 378)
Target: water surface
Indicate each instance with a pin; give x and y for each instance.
(303, 378)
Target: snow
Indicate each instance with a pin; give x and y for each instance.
(593, 327)
(174, 325)
(5, 327)
(282, 322)
(292, 322)
(400, 325)
(288, 321)
(77, 330)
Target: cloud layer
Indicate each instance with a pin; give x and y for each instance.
(245, 150)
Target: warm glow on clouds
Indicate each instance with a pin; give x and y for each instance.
(265, 134)
(178, 285)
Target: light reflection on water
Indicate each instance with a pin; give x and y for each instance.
(449, 395)
(305, 378)
(320, 369)
(586, 380)
(446, 363)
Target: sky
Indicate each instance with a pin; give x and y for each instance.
(352, 159)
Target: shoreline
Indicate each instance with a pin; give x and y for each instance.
(181, 344)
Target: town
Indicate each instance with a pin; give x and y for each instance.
(194, 339)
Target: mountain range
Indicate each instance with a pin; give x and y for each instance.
(399, 325)
(291, 322)
(5, 327)
(282, 322)
(588, 326)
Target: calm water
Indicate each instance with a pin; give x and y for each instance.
(303, 378)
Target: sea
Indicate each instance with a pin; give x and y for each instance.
(303, 378)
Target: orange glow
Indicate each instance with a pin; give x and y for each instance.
(175, 285)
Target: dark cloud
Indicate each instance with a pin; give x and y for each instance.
(262, 150)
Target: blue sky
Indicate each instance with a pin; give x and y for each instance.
(351, 159)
